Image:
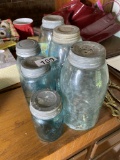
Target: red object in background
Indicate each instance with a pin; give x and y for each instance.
(95, 25)
(24, 27)
(79, 14)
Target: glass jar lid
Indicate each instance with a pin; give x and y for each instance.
(45, 104)
(30, 69)
(28, 47)
(87, 55)
(66, 34)
(52, 21)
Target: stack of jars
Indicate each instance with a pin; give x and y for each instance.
(67, 84)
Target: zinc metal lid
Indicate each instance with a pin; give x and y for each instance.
(66, 34)
(87, 55)
(52, 21)
(30, 69)
(28, 47)
(45, 104)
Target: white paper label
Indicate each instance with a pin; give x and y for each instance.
(45, 61)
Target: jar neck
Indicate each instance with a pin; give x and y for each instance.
(64, 41)
(45, 104)
(87, 55)
(35, 73)
(85, 62)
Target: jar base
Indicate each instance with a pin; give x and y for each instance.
(78, 128)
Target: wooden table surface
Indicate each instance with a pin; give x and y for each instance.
(19, 140)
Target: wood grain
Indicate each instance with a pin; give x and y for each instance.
(105, 144)
(80, 156)
(19, 141)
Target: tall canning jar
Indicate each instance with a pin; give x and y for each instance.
(49, 22)
(64, 37)
(34, 78)
(84, 80)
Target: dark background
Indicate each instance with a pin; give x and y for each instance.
(34, 9)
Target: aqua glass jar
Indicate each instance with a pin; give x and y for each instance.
(26, 48)
(64, 37)
(49, 22)
(33, 77)
(84, 80)
(46, 110)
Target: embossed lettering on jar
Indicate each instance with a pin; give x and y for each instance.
(84, 79)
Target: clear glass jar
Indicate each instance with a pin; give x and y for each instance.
(46, 110)
(26, 48)
(64, 37)
(34, 78)
(84, 80)
(49, 22)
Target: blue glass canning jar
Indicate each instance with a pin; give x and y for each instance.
(34, 77)
(46, 110)
(84, 80)
(64, 37)
(26, 48)
(49, 22)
